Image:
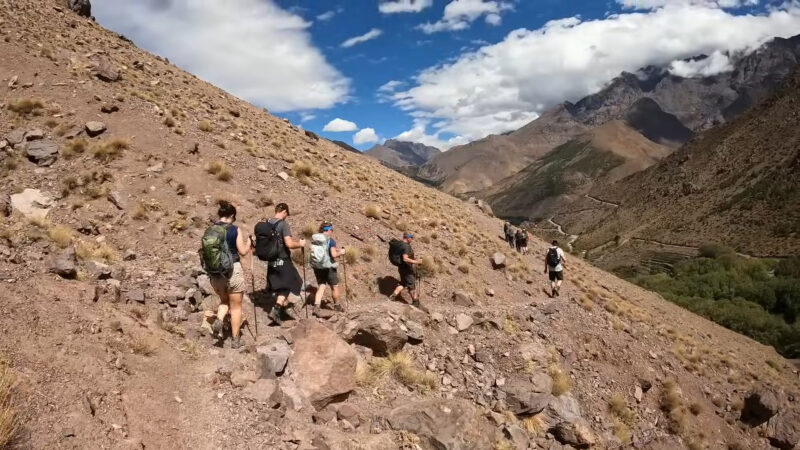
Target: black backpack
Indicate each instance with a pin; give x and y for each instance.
(396, 250)
(553, 259)
(269, 243)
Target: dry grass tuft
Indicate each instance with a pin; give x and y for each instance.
(399, 366)
(144, 346)
(111, 149)
(368, 253)
(205, 126)
(619, 407)
(463, 267)
(8, 415)
(561, 381)
(302, 169)
(535, 424)
(26, 107)
(373, 212)
(352, 256)
(60, 235)
(221, 170)
(87, 251)
(75, 147)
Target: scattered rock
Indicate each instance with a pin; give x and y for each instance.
(323, 365)
(64, 264)
(31, 203)
(445, 424)
(348, 413)
(637, 393)
(135, 295)
(108, 109)
(414, 331)
(156, 168)
(378, 334)
(116, 199)
(262, 168)
(15, 137)
(283, 176)
(34, 135)
(517, 436)
(528, 395)
(81, 7)
(273, 358)
(461, 298)
(498, 260)
(204, 283)
(578, 434)
(43, 152)
(312, 135)
(95, 128)
(759, 407)
(241, 378)
(129, 255)
(783, 430)
(105, 70)
(490, 292)
(98, 270)
(324, 416)
(463, 321)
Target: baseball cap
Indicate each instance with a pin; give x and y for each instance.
(408, 235)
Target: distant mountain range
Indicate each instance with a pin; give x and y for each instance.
(402, 154)
(661, 107)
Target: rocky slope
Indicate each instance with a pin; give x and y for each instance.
(401, 154)
(696, 104)
(113, 160)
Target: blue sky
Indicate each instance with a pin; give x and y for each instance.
(461, 69)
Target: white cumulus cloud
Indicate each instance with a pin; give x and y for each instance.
(369, 35)
(403, 6)
(653, 4)
(327, 15)
(459, 14)
(501, 87)
(365, 136)
(419, 134)
(338, 125)
(251, 48)
(718, 62)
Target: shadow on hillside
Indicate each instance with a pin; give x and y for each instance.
(387, 284)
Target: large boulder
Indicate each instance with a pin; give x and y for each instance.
(576, 435)
(273, 358)
(323, 366)
(498, 260)
(43, 152)
(378, 334)
(759, 406)
(563, 419)
(528, 395)
(95, 128)
(445, 425)
(105, 70)
(31, 203)
(81, 7)
(783, 430)
(64, 264)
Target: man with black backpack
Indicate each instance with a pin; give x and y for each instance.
(222, 248)
(274, 243)
(521, 240)
(324, 252)
(509, 232)
(402, 255)
(554, 263)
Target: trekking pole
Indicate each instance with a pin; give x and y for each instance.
(305, 294)
(346, 300)
(253, 294)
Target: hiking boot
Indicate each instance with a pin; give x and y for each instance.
(285, 314)
(216, 328)
(553, 293)
(275, 315)
(236, 342)
(337, 307)
(556, 291)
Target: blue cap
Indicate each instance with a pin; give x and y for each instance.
(327, 228)
(408, 235)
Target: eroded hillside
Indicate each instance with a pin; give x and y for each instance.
(103, 299)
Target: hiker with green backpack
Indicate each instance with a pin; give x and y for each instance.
(324, 253)
(274, 243)
(222, 248)
(402, 255)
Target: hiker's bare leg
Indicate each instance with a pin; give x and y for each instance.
(336, 293)
(235, 300)
(281, 301)
(222, 292)
(398, 290)
(320, 293)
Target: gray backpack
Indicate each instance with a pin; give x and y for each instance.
(320, 257)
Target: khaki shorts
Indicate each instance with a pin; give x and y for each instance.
(232, 285)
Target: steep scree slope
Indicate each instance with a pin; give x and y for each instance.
(109, 352)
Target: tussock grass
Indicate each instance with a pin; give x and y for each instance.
(60, 235)
(8, 414)
(373, 211)
(302, 169)
(110, 149)
(169, 122)
(619, 407)
(352, 256)
(672, 404)
(535, 424)
(561, 381)
(26, 107)
(622, 431)
(428, 267)
(220, 170)
(87, 251)
(205, 126)
(367, 253)
(75, 147)
(399, 366)
(144, 346)
(463, 267)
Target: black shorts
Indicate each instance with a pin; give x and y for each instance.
(407, 276)
(327, 276)
(556, 275)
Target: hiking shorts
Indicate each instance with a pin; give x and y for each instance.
(233, 285)
(407, 277)
(327, 276)
(556, 275)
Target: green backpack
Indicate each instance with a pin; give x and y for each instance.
(215, 255)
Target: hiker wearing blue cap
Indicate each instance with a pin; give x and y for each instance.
(402, 255)
(324, 253)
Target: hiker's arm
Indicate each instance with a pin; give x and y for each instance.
(337, 252)
(242, 244)
(407, 259)
(292, 243)
(545, 264)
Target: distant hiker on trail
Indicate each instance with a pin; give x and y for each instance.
(509, 232)
(274, 243)
(554, 263)
(222, 248)
(324, 252)
(521, 240)
(402, 255)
